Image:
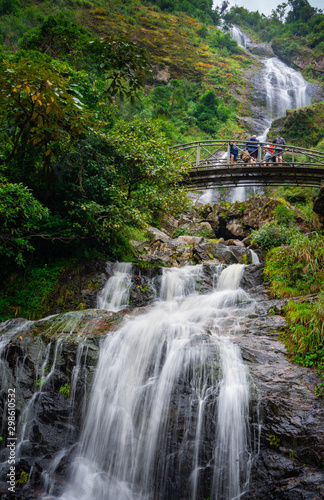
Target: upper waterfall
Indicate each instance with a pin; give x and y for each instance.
(285, 88)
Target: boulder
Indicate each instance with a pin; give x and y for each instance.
(260, 49)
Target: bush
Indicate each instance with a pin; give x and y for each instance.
(272, 235)
(305, 334)
(298, 268)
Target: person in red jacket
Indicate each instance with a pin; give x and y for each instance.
(269, 156)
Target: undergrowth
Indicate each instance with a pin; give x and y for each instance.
(298, 269)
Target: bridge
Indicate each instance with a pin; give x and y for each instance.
(209, 166)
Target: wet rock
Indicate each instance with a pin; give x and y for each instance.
(260, 49)
(157, 235)
(39, 359)
(234, 242)
(252, 277)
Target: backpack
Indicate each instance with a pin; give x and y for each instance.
(245, 156)
(280, 140)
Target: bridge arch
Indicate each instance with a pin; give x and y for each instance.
(209, 166)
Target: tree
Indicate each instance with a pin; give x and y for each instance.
(123, 64)
(38, 109)
(300, 11)
(210, 112)
(20, 217)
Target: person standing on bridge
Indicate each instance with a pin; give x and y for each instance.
(252, 148)
(279, 148)
(234, 152)
(269, 157)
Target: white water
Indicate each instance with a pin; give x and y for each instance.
(160, 383)
(285, 87)
(114, 295)
(255, 258)
(240, 37)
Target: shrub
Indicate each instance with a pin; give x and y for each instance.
(272, 235)
(297, 268)
(306, 335)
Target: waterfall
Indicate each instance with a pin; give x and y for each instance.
(239, 36)
(285, 87)
(255, 258)
(114, 295)
(169, 384)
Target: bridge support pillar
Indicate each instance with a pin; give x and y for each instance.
(198, 155)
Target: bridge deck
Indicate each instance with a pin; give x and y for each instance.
(255, 175)
(209, 166)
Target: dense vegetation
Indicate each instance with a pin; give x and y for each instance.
(295, 268)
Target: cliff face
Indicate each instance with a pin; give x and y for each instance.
(300, 58)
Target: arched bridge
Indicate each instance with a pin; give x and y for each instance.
(209, 166)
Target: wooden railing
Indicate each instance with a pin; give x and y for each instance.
(209, 166)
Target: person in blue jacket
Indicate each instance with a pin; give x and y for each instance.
(234, 152)
(252, 147)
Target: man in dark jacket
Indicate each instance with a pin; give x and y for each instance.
(252, 148)
(279, 148)
(234, 152)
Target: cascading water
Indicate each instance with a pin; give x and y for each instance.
(115, 293)
(169, 384)
(239, 36)
(285, 88)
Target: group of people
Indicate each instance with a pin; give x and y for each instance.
(250, 153)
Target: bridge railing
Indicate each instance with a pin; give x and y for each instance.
(216, 154)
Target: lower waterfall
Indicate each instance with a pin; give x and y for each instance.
(169, 408)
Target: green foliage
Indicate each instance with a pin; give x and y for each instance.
(37, 109)
(65, 390)
(272, 235)
(225, 41)
(284, 214)
(297, 268)
(9, 6)
(23, 478)
(40, 382)
(56, 36)
(304, 126)
(201, 9)
(274, 441)
(21, 216)
(26, 296)
(211, 112)
(305, 332)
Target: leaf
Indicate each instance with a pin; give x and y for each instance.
(48, 152)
